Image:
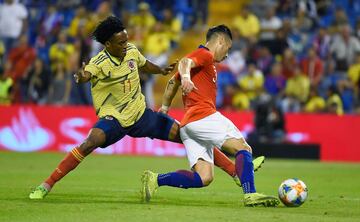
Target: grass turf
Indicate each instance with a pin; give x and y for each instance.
(105, 188)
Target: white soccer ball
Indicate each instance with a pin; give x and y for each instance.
(293, 192)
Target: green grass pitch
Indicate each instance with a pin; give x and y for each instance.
(106, 188)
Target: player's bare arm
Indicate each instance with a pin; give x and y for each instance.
(169, 94)
(152, 68)
(82, 76)
(185, 66)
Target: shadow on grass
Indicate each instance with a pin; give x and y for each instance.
(132, 199)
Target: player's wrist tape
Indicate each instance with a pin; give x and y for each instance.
(166, 108)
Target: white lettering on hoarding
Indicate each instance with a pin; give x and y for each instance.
(25, 133)
(68, 128)
(297, 137)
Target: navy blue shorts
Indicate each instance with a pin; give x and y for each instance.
(151, 124)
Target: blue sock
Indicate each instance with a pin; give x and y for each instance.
(245, 170)
(181, 178)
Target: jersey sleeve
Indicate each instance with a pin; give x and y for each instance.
(93, 69)
(140, 59)
(201, 57)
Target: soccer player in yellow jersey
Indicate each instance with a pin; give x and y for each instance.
(119, 103)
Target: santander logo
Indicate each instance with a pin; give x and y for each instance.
(70, 129)
(25, 133)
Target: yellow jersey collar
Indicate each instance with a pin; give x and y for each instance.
(113, 59)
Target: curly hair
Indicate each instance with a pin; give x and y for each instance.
(107, 28)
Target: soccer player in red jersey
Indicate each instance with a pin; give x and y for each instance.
(203, 128)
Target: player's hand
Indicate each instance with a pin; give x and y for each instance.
(80, 74)
(164, 109)
(161, 110)
(170, 68)
(187, 85)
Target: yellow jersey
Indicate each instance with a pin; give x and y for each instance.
(5, 85)
(115, 85)
(60, 53)
(252, 84)
(354, 73)
(335, 99)
(298, 87)
(315, 104)
(247, 27)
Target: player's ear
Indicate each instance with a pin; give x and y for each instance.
(107, 44)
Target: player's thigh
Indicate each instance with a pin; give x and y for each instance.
(111, 130)
(195, 150)
(156, 125)
(213, 130)
(234, 145)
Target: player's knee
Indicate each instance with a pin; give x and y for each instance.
(205, 171)
(87, 146)
(174, 134)
(207, 179)
(235, 145)
(246, 147)
(243, 145)
(250, 149)
(90, 144)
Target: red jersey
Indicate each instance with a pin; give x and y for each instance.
(200, 102)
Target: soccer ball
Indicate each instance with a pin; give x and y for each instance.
(293, 192)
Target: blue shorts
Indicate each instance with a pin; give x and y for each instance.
(151, 124)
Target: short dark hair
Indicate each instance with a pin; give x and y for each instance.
(220, 29)
(107, 28)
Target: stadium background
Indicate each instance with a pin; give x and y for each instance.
(291, 86)
(290, 61)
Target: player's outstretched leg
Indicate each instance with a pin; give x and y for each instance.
(70, 162)
(220, 159)
(181, 178)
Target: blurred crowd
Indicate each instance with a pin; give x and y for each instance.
(294, 56)
(42, 43)
(287, 56)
